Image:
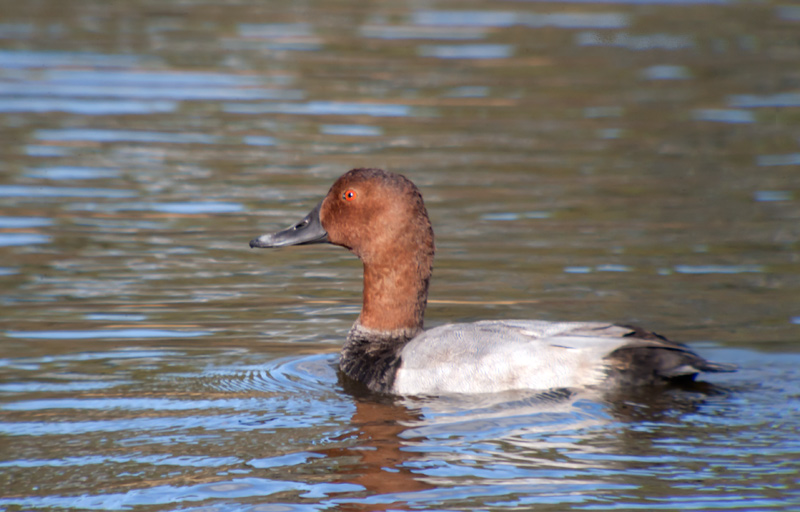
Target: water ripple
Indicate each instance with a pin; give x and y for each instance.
(321, 108)
(22, 191)
(44, 59)
(494, 19)
(467, 51)
(718, 269)
(157, 460)
(666, 72)
(786, 99)
(421, 32)
(11, 239)
(159, 495)
(635, 42)
(125, 136)
(144, 91)
(136, 404)
(314, 373)
(182, 208)
(86, 107)
(723, 115)
(105, 334)
(72, 173)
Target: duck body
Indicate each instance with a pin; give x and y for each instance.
(500, 355)
(380, 216)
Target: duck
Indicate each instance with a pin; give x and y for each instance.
(380, 217)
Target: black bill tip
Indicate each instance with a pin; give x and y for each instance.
(307, 231)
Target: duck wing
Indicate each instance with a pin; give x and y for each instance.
(499, 355)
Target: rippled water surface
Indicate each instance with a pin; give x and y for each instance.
(633, 161)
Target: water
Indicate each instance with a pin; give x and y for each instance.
(630, 161)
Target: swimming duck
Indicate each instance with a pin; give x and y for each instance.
(381, 218)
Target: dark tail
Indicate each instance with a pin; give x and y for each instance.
(651, 359)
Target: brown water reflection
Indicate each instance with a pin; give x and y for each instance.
(380, 460)
(633, 161)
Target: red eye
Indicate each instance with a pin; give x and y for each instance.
(349, 195)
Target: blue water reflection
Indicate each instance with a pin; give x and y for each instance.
(723, 115)
(719, 269)
(667, 72)
(609, 267)
(86, 107)
(772, 195)
(635, 42)
(8, 239)
(336, 108)
(32, 192)
(351, 130)
(158, 460)
(275, 30)
(104, 334)
(131, 353)
(465, 18)
(135, 404)
(391, 32)
(47, 151)
(467, 51)
(293, 459)
(276, 36)
(468, 91)
(43, 59)
(259, 140)
(116, 317)
(784, 99)
(98, 135)
(58, 387)
(788, 12)
(24, 222)
(144, 91)
(181, 208)
(770, 160)
(508, 19)
(238, 488)
(148, 78)
(16, 30)
(72, 173)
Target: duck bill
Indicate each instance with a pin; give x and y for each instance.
(307, 231)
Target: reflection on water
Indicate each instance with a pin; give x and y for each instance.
(28, 192)
(102, 333)
(237, 429)
(48, 59)
(89, 107)
(330, 108)
(471, 51)
(724, 116)
(633, 161)
(72, 173)
(125, 136)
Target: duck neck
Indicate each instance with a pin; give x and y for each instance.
(395, 294)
